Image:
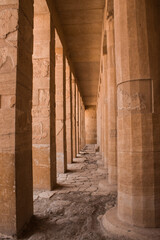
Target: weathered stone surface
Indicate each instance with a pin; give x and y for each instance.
(44, 156)
(60, 74)
(112, 104)
(69, 137)
(82, 132)
(8, 22)
(41, 68)
(90, 125)
(73, 88)
(77, 120)
(138, 163)
(16, 205)
(90, 57)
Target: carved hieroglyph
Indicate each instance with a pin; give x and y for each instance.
(7, 101)
(8, 22)
(43, 96)
(135, 96)
(127, 102)
(6, 60)
(41, 68)
(38, 131)
(8, 34)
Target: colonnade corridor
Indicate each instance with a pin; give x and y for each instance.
(71, 211)
(80, 119)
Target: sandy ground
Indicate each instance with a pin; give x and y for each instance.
(71, 211)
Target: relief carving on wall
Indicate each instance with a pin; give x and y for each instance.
(6, 60)
(131, 102)
(9, 25)
(41, 68)
(7, 101)
(43, 97)
(38, 131)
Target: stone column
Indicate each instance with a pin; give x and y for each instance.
(102, 117)
(98, 122)
(60, 108)
(83, 126)
(80, 126)
(68, 115)
(43, 112)
(138, 115)
(77, 120)
(16, 191)
(137, 36)
(103, 164)
(110, 81)
(105, 112)
(112, 104)
(73, 116)
(91, 124)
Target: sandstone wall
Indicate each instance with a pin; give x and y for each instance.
(60, 77)
(43, 112)
(91, 125)
(68, 115)
(16, 39)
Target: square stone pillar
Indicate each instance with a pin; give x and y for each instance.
(60, 108)
(73, 116)
(69, 115)
(44, 153)
(16, 48)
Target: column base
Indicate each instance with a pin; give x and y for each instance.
(106, 187)
(113, 226)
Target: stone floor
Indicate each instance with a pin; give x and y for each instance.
(71, 211)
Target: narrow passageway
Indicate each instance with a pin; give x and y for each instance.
(70, 212)
(79, 119)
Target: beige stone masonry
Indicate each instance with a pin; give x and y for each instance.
(112, 103)
(105, 101)
(74, 116)
(138, 111)
(83, 138)
(16, 48)
(77, 120)
(80, 116)
(68, 114)
(102, 115)
(90, 125)
(98, 120)
(43, 112)
(60, 108)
